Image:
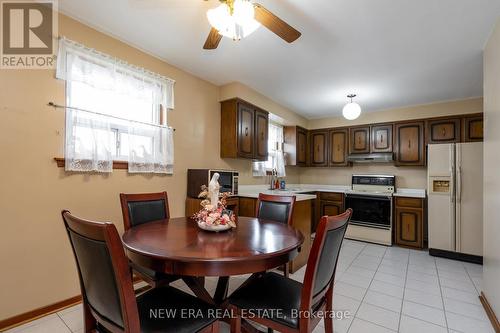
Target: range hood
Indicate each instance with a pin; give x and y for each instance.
(370, 158)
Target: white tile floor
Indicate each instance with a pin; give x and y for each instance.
(386, 289)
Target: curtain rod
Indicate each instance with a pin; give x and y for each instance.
(58, 106)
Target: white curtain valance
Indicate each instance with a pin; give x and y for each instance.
(76, 62)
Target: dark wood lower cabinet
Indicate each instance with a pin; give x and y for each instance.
(328, 203)
(193, 205)
(247, 207)
(409, 222)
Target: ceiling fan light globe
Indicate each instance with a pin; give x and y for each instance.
(239, 25)
(243, 11)
(351, 111)
(219, 17)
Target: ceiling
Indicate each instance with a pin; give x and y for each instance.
(392, 53)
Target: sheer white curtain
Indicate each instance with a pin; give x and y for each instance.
(276, 157)
(275, 148)
(89, 142)
(125, 103)
(151, 149)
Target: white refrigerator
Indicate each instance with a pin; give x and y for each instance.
(455, 203)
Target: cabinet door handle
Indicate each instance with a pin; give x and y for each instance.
(246, 131)
(409, 144)
(338, 148)
(444, 131)
(262, 135)
(381, 138)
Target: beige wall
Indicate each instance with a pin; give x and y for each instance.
(36, 261)
(408, 177)
(491, 228)
(412, 177)
(411, 112)
(237, 89)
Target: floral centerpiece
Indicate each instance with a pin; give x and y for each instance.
(214, 215)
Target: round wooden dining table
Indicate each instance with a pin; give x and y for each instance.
(179, 247)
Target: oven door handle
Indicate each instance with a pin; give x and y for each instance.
(370, 197)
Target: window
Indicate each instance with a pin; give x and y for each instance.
(122, 108)
(276, 159)
(274, 145)
(114, 112)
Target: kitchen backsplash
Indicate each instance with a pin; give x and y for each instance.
(409, 177)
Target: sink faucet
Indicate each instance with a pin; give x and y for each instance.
(273, 174)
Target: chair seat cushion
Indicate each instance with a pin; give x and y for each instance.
(166, 309)
(270, 292)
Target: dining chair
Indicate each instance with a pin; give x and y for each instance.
(277, 208)
(288, 305)
(143, 208)
(109, 301)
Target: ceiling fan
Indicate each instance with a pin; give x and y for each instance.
(237, 19)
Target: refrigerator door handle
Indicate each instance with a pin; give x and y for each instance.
(452, 173)
(455, 229)
(458, 217)
(459, 184)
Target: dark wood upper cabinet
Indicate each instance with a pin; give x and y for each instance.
(295, 145)
(261, 134)
(409, 144)
(246, 119)
(473, 128)
(359, 140)
(319, 148)
(338, 147)
(381, 138)
(244, 130)
(443, 130)
(302, 146)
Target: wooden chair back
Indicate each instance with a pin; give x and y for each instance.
(104, 274)
(277, 208)
(322, 262)
(143, 208)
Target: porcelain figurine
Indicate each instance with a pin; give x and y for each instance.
(213, 190)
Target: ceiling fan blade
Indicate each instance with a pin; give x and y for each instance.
(213, 40)
(275, 24)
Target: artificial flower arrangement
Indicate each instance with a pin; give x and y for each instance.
(215, 217)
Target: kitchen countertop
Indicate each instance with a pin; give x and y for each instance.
(252, 191)
(255, 194)
(410, 192)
